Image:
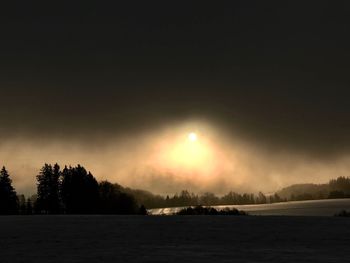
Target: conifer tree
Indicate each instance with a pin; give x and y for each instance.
(48, 189)
(8, 196)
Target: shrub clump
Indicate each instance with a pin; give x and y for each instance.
(200, 210)
(343, 213)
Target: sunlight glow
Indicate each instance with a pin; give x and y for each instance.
(190, 153)
(187, 153)
(192, 137)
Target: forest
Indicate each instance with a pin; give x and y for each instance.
(74, 190)
(71, 190)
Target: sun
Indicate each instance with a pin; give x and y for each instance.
(192, 137)
(187, 153)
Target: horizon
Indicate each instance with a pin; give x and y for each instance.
(267, 194)
(119, 90)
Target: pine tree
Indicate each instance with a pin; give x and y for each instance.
(48, 189)
(8, 196)
(55, 185)
(21, 204)
(79, 191)
(29, 207)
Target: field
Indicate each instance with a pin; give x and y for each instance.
(328, 207)
(174, 239)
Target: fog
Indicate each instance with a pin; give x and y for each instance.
(118, 89)
(164, 161)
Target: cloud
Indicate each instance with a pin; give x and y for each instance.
(144, 161)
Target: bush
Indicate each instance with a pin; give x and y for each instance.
(200, 210)
(343, 213)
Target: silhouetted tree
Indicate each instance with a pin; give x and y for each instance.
(34, 202)
(48, 189)
(209, 199)
(340, 184)
(21, 204)
(275, 198)
(114, 201)
(79, 191)
(200, 210)
(261, 198)
(343, 213)
(55, 200)
(8, 196)
(143, 210)
(127, 204)
(336, 194)
(29, 207)
(146, 198)
(230, 199)
(108, 198)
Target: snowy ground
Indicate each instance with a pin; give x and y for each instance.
(328, 207)
(174, 239)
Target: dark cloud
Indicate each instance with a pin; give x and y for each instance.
(276, 73)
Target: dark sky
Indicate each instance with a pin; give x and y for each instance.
(275, 72)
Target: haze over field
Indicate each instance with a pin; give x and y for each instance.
(119, 90)
(163, 161)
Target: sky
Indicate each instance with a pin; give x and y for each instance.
(118, 87)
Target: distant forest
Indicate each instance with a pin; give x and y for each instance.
(74, 190)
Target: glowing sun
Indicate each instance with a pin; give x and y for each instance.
(192, 137)
(190, 153)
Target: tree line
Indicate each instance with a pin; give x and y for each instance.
(74, 190)
(71, 190)
(185, 198)
(335, 188)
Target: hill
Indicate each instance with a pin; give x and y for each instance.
(305, 192)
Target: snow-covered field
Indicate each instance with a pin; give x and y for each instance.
(173, 239)
(328, 207)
